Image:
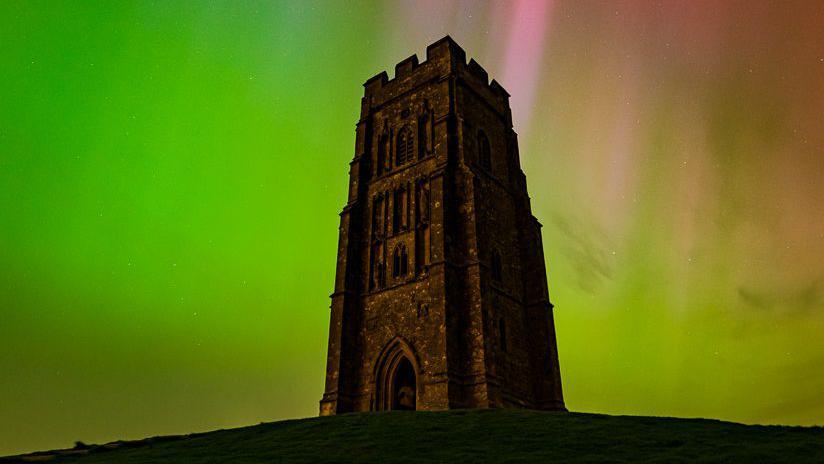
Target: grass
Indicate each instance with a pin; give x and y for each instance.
(515, 436)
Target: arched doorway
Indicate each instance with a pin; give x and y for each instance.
(396, 378)
(404, 388)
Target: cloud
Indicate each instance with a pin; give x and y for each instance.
(788, 300)
(585, 248)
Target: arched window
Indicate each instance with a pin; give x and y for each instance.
(405, 144)
(400, 210)
(484, 155)
(502, 333)
(399, 261)
(497, 268)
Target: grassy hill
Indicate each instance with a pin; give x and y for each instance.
(466, 436)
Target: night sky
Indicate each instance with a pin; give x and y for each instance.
(171, 176)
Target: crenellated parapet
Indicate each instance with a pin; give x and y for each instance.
(444, 58)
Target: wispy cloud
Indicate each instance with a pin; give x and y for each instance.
(585, 250)
(801, 299)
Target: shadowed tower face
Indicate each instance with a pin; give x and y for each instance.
(440, 294)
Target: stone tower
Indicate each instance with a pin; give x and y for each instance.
(440, 297)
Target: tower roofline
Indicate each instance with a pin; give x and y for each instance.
(443, 57)
(445, 46)
(435, 50)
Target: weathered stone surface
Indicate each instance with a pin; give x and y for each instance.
(440, 294)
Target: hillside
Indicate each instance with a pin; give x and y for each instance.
(466, 436)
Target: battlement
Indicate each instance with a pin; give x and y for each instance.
(445, 47)
(443, 57)
(477, 70)
(406, 66)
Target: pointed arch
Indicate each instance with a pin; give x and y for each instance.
(404, 150)
(400, 261)
(394, 358)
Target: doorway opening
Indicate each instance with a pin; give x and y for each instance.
(404, 387)
(396, 377)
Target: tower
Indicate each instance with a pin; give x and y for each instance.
(441, 296)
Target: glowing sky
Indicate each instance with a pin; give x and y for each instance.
(171, 175)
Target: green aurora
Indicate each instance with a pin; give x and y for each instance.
(171, 175)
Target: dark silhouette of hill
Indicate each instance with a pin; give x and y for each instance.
(465, 436)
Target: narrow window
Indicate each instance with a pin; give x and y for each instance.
(405, 199)
(497, 268)
(400, 211)
(484, 155)
(373, 267)
(381, 167)
(377, 279)
(502, 333)
(397, 211)
(423, 205)
(422, 226)
(423, 139)
(403, 152)
(377, 217)
(404, 262)
(399, 261)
